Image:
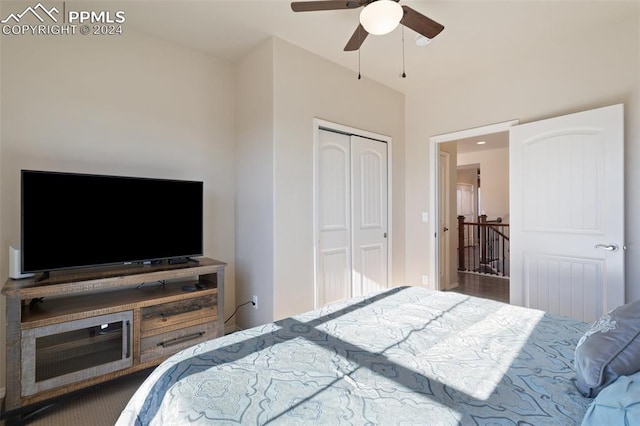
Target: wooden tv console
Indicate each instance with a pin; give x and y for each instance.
(79, 328)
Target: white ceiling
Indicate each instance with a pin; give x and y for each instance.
(492, 141)
(475, 31)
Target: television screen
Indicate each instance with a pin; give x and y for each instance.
(72, 220)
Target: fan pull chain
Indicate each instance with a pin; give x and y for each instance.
(404, 74)
(359, 47)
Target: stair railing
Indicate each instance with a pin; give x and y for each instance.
(483, 246)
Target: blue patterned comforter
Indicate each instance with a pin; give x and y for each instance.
(404, 356)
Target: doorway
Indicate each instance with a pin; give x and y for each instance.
(566, 180)
(352, 205)
(436, 143)
(467, 205)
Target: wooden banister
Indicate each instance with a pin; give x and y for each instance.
(483, 239)
(483, 246)
(461, 244)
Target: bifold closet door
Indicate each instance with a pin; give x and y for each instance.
(369, 217)
(333, 214)
(351, 215)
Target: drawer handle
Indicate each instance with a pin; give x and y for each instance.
(181, 339)
(128, 339)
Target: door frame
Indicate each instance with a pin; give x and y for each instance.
(320, 124)
(434, 185)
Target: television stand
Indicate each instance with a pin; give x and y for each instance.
(45, 276)
(93, 325)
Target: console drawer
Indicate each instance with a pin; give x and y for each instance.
(168, 316)
(165, 344)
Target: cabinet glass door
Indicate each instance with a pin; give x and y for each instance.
(59, 354)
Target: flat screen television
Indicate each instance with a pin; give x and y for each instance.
(72, 220)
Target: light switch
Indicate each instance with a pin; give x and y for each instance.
(425, 216)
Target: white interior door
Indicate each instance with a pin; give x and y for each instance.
(567, 213)
(351, 215)
(466, 205)
(369, 189)
(443, 221)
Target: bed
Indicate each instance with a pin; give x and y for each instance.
(407, 355)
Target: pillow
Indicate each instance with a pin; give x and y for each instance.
(609, 349)
(617, 404)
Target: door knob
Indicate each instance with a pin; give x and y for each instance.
(608, 247)
(445, 229)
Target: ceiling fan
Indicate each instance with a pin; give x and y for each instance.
(377, 17)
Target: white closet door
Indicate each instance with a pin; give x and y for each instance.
(352, 217)
(333, 212)
(369, 192)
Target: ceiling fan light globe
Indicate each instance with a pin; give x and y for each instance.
(381, 17)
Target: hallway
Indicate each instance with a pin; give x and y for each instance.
(489, 287)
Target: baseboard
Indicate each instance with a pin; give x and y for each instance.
(231, 329)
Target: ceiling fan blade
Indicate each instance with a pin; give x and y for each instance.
(356, 39)
(420, 23)
(311, 6)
